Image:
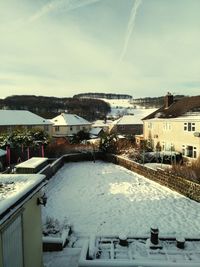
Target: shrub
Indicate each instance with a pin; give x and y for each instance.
(190, 171)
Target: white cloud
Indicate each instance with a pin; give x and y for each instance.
(62, 52)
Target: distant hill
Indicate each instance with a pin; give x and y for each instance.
(49, 107)
(103, 95)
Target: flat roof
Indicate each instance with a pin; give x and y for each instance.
(13, 187)
(31, 163)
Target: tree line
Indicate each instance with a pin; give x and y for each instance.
(49, 107)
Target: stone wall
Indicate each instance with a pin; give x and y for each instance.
(183, 186)
(51, 169)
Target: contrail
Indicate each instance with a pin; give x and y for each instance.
(45, 10)
(61, 6)
(130, 28)
(81, 3)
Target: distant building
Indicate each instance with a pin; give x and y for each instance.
(175, 126)
(96, 132)
(65, 125)
(103, 124)
(16, 119)
(20, 220)
(130, 124)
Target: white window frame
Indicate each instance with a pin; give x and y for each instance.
(57, 128)
(189, 127)
(150, 125)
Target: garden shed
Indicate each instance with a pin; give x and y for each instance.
(20, 220)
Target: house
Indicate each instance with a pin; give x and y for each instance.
(96, 132)
(16, 119)
(103, 124)
(130, 124)
(20, 220)
(175, 126)
(69, 124)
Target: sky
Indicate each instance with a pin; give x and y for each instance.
(65, 47)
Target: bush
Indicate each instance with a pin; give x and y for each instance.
(190, 171)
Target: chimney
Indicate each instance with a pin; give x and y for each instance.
(168, 100)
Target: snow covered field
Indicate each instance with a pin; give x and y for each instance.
(103, 198)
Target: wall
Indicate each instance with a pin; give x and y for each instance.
(65, 130)
(9, 129)
(179, 184)
(51, 169)
(32, 233)
(127, 129)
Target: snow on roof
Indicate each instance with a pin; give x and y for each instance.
(2, 152)
(21, 117)
(32, 162)
(139, 114)
(14, 186)
(65, 119)
(95, 131)
(101, 123)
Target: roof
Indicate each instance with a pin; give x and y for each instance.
(31, 163)
(95, 131)
(176, 109)
(65, 119)
(21, 117)
(101, 123)
(14, 187)
(134, 119)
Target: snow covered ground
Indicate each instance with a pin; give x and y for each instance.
(105, 199)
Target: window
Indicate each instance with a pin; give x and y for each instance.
(71, 128)
(195, 152)
(46, 128)
(183, 150)
(191, 152)
(166, 126)
(189, 126)
(185, 126)
(57, 128)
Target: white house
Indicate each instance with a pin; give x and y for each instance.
(175, 126)
(12, 119)
(65, 125)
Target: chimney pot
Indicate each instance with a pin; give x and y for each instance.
(169, 99)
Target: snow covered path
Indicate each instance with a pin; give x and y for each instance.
(104, 198)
